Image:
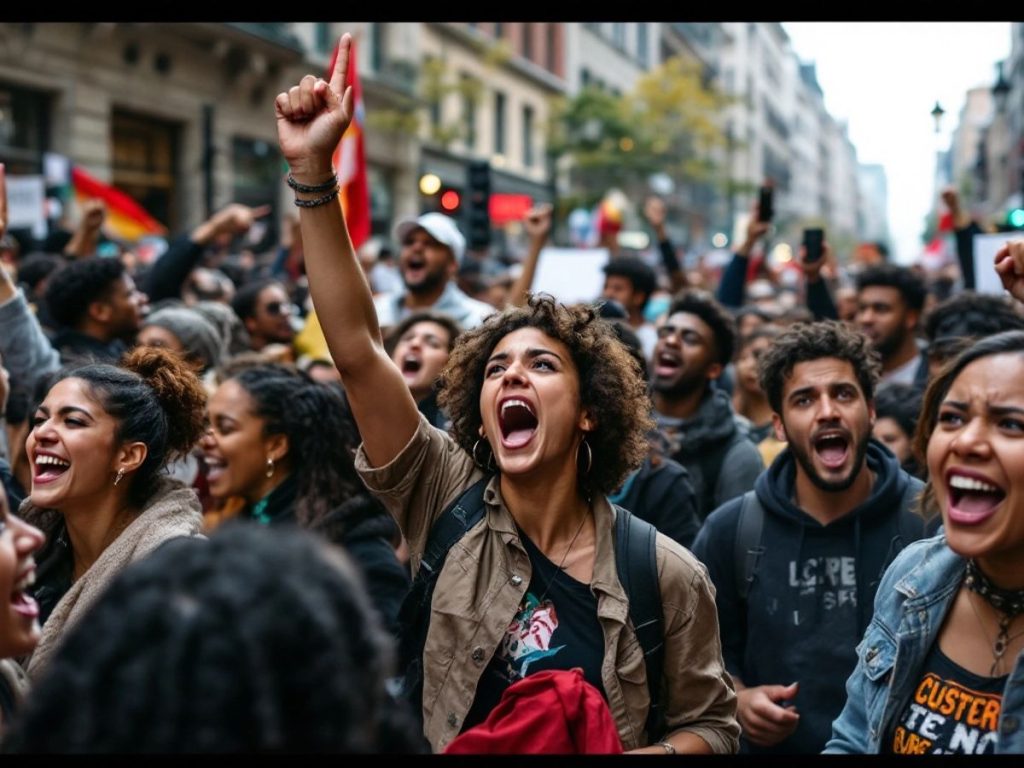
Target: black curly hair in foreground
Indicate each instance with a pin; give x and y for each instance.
(611, 384)
(251, 641)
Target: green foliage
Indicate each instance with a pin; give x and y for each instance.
(669, 123)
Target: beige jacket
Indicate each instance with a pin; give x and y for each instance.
(487, 574)
(172, 511)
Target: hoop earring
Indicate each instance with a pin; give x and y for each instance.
(487, 466)
(118, 476)
(270, 467)
(590, 456)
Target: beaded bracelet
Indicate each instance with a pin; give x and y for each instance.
(317, 201)
(309, 188)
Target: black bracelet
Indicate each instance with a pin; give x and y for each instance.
(309, 188)
(318, 201)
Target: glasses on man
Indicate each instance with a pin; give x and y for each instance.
(278, 308)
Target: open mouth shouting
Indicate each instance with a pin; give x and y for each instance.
(832, 448)
(517, 421)
(47, 467)
(973, 498)
(21, 601)
(411, 365)
(667, 364)
(216, 467)
(415, 266)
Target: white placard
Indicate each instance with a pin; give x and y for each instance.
(57, 169)
(985, 246)
(26, 204)
(571, 274)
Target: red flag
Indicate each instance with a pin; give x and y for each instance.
(350, 159)
(128, 220)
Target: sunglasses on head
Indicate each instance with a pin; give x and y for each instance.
(279, 308)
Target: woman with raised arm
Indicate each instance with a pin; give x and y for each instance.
(547, 403)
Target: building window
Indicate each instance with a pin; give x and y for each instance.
(585, 77)
(528, 136)
(619, 35)
(528, 40)
(499, 122)
(257, 178)
(322, 37)
(499, 30)
(377, 46)
(552, 49)
(24, 129)
(641, 43)
(145, 163)
(381, 203)
(470, 89)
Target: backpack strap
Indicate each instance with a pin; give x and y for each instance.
(636, 563)
(451, 525)
(748, 548)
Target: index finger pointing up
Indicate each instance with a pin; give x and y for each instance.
(340, 72)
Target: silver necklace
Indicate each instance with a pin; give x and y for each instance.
(565, 556)
(1003, 637)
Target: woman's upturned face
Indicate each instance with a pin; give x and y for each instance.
(19, 623)
(421, 354)
(235, 448)
(530, 402)
(72, 447)
(976, 459)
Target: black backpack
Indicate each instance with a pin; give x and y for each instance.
(748, 548)
(634, 561)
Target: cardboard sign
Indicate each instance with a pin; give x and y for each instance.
(571, 274)
(985, 247)
(26, 204)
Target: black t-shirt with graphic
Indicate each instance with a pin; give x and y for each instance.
(555, 627)
(952, 711)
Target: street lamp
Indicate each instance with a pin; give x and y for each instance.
(937, 113)
(1001, 89)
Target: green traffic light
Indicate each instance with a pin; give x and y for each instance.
(1016, 217)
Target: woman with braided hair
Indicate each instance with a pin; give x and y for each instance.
(282, 442)
(255, 640)
(100, 442)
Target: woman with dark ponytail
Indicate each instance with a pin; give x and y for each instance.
(282, 442)
(99, 442)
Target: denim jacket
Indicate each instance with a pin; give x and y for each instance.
(911, 603)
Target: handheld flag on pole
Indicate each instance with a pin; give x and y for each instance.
(350, 159)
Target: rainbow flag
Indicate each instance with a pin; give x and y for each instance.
(350, 159)
(126, 219)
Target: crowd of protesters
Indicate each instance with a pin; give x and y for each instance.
(329, 499)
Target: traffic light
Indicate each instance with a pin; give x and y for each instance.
(450, 199)
(478, 217)
(1015, 218)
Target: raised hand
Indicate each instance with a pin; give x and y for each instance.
(538, 221)
(312, 116)
(654, 212)
(1009, 264)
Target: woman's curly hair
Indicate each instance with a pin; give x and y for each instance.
(611, 385)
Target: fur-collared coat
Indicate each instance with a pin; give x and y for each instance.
(173, 510)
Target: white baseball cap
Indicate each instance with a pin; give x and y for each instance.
(440, 227)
